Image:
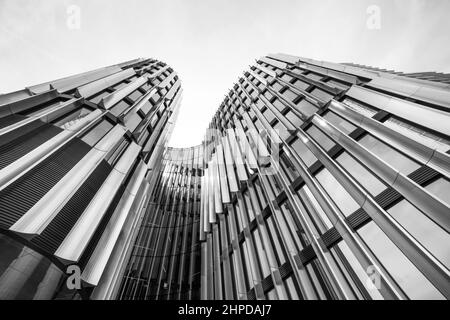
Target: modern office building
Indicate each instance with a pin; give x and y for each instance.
(315, 180)
(78, 158)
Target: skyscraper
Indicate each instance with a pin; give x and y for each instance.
(315, 180)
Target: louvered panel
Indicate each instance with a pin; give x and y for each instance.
(9, 120)
(24, 193)
(50, 239)
(19, 147)
(423, 175)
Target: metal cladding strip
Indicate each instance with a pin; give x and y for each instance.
(271, 73)
(211, 196)
(217, 272)
(170, 94)
(300, 273)
(230, 166)
(44, 115)
(275, 63)
(73, 82)
(42, 213)
(113, 98)
(422, 115)
(223, 175)
(204, 272)
(167, 80)
(202, 209)
(27, 103)
(431, 157)
(12, 97)
(95, 87)
(248, 245)
(227, 276)
(403, 86)
(99, 258)
(216, 182)
(267, 246)
(158, 72)
(24, 164)
(206, 224)
(149, 67)
(332, 271)
(250, 158)
(237, 259)
(431, 206)
(109, 282)
(389, 288)
(140, 103)
(258, 77)
(434, 270)
(237, 156)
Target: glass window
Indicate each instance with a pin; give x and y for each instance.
(432, 237)
(337, 193)
(420, 135)
(305, 191)
(269, 115)
(276, 241)
(441, 189)
(96, 133)
(314, 76)
(389, 155)
(135, 95)
(321, 139)
(286, 77)
(301, 85)
(411, 280)
(339, 122)
(290, 285)
(324, 96)
(119, 108)
(294, 119)
(288, 167)
(306, 108)
(361, 174)
(279, 105)
(303, 152)
(290, 95)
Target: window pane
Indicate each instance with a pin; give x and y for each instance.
(306, 108)
(389, 155)
(325, 142)
(303, 152)
(361, 174)
(441, 189)
(411, 280)
(339, 122)
(337, 193)
(98, 132)
(428, 233)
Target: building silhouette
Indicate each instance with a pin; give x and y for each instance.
(315, 180)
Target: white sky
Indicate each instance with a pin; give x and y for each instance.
(210, 43)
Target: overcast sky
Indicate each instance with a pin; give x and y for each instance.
(209, 43)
